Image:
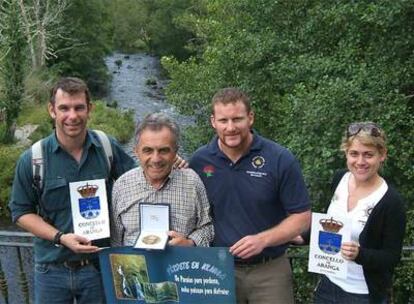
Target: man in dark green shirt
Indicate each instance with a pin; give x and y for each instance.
(65, 263)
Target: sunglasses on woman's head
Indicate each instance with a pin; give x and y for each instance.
(369, 127)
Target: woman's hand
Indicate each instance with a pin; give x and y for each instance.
(350, 250)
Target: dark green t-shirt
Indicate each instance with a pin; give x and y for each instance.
(60, 169)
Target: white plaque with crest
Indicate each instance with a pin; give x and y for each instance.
(90, 209)
(327, 235)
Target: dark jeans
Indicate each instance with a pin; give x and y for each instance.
(329, 293)
(60, 285)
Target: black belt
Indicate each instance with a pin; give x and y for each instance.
(76, 264)
(254, 261)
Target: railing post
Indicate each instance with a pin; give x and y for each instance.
(3, 285)
(22, 277)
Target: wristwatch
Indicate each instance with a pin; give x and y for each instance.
(56, 239)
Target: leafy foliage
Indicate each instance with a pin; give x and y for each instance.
(12, 64)
(311, 67)
(303, 281)
(8, 158)
(404, 274)
(36, 114)
(87, 40)
(37, 85)
(151, 26)
(104, 118)
(129, 19)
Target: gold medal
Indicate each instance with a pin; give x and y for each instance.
(151, 239)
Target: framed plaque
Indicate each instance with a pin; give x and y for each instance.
(155, 222)
(327, 235)
(89, 204)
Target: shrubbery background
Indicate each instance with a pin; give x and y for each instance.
(311, 67)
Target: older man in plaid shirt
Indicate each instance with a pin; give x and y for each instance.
(155, 181)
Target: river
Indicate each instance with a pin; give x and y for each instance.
(129, 88)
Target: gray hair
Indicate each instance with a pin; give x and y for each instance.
(155, 122)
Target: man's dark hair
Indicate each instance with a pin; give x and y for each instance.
(72, 86)
(230, 95)
(155, 122)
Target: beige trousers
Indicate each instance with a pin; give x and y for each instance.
(267, 283)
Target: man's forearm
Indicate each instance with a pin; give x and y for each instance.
(36, 225)
(289, 228)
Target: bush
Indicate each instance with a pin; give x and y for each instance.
(119, 124)
(8, 158)
(38, 84)
(303, 281)
(310, 68)
(404, 273)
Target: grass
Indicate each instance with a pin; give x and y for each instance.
(32, 113)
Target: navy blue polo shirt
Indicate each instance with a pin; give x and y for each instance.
(255, 193)
(60, 170)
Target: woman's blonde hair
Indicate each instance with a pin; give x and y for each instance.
(367, 133)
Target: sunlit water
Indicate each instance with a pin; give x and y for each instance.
(130, 89)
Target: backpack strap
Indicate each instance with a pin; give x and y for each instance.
(38, 161)
(106, 144)
(37, 165)
(38, 175)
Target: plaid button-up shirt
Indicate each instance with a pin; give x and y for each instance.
(183, 191)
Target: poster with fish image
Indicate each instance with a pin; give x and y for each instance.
(174, 275)
(327, 235)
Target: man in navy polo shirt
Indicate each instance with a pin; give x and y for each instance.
(258, 197)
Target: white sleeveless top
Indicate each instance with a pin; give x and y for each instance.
(355, 280)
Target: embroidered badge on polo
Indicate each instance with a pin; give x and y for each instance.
(209, 170)
(258, 162)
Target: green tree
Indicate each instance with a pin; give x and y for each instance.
(42, 23)
(12, 68)
(310, 67)
(166, 37)
(151, 26)
(129, 18)
(87, 41)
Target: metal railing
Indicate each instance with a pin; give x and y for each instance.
(14, 241)
(19, 241)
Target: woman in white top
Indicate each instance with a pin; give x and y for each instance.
(377, 213)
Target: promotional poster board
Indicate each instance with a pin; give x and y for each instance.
(327, 235)
(174, 275)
